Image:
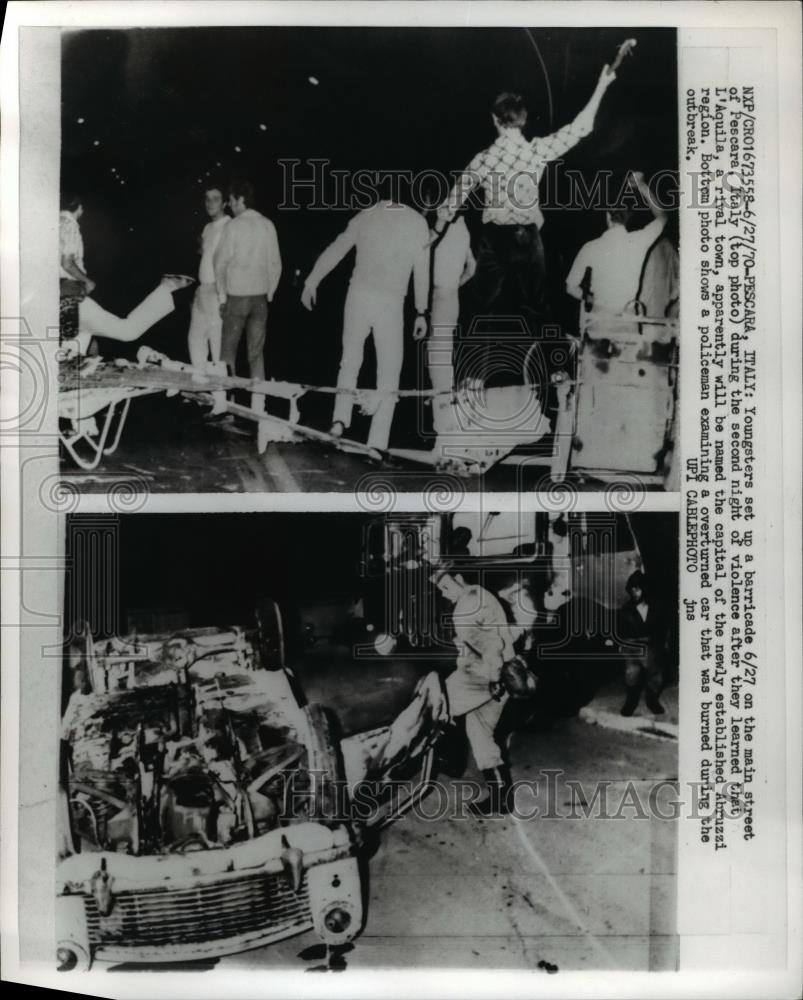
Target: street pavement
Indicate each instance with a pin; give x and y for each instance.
(575, 893)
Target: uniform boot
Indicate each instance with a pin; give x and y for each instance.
(499, 800)
(451, 749)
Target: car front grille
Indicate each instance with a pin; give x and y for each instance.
(213, 912)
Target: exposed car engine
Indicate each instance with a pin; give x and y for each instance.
(212, 765)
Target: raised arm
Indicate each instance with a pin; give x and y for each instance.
(551, 147)
(328, 261)
(637, 180)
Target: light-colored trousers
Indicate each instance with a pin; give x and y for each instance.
(366, 313)
(94, 321)
(206, 325)
(440, 349)
(468, 695)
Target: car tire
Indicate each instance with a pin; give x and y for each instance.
(268, 618)
(325, 763)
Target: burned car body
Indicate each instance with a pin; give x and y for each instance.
(205, 808)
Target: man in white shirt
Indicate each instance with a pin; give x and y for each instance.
(391, 241)
(509, 171)
(452, 267)
(203, 339)
(616, 258)
(247, 268)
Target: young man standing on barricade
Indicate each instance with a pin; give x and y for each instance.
(451, 267)
(247, 270)
(203, 339)
(391, 241)
(617, 258)
(509, 171)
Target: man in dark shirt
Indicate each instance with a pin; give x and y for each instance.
(642, 624)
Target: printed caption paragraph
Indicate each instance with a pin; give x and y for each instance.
(720, 488)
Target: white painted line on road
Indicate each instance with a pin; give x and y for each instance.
(567, 903)
(651, 726)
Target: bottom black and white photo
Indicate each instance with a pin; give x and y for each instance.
(330, 741)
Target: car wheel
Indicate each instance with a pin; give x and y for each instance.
(271, 634)
(328, 785)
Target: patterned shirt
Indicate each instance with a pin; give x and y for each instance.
(510, 170)
(71, 243)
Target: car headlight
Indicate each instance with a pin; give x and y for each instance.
(337, 920)
(67, 959)
(72, 957)
(384, 644)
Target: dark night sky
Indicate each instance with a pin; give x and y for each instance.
(215, 566)
(166, 105)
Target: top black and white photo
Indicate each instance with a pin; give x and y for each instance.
(291, 258)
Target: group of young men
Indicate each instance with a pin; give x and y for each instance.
(239, 274)
(393, 243)
(241, 267)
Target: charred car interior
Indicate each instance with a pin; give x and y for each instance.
(203, 802)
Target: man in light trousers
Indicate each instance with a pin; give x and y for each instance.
(391, 244)
(484, 642)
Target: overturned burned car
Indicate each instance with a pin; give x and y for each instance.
(202, 801)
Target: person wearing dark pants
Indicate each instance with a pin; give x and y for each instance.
(249, 314)
(642, 625)
(509, 171)
(511, 258)
(247, 268)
